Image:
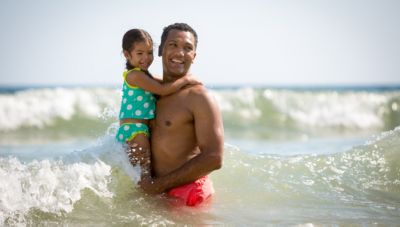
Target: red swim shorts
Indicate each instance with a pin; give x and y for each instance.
(194, 193)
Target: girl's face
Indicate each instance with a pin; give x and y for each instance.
(141, 55)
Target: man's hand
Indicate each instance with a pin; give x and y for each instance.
(149, 185)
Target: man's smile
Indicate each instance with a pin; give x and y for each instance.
(176, 61)
(178, 64)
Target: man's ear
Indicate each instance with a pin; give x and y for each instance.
(159, 51)
(194, 57)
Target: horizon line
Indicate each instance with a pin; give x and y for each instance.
(218, 85)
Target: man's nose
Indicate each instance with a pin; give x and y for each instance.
(181, 51)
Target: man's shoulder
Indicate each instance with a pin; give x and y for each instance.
(200, 96)
(198, 92)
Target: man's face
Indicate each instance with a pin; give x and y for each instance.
(178, 53)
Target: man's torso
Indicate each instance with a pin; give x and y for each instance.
(173, 132)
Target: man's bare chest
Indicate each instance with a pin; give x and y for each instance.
(172, 112)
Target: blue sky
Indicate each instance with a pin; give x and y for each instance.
(298, 42)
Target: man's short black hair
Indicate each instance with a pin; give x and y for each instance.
(177, 26)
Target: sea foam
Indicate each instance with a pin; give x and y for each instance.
(51, 186)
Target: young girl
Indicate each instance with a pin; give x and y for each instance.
(138, 101)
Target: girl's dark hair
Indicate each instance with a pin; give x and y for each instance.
(177, 26)
(134, 36)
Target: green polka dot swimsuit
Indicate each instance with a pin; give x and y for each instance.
(136, 102)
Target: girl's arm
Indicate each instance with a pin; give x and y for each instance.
(159, 80)
(141, 80)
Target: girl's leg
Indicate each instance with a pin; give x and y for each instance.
(139, 153)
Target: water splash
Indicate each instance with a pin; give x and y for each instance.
(51, 186)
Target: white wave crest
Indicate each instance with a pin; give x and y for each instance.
(360, 110)
(241, 102)
(321, 109)
(41, 107)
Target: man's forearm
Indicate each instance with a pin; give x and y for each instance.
(195, 168)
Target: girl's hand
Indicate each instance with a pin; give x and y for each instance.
(192, 80)
(185, 81)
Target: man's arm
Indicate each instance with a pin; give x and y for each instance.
(210, 138)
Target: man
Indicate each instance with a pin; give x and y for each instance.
(187, 133)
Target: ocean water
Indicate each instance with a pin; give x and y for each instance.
(292, 156)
